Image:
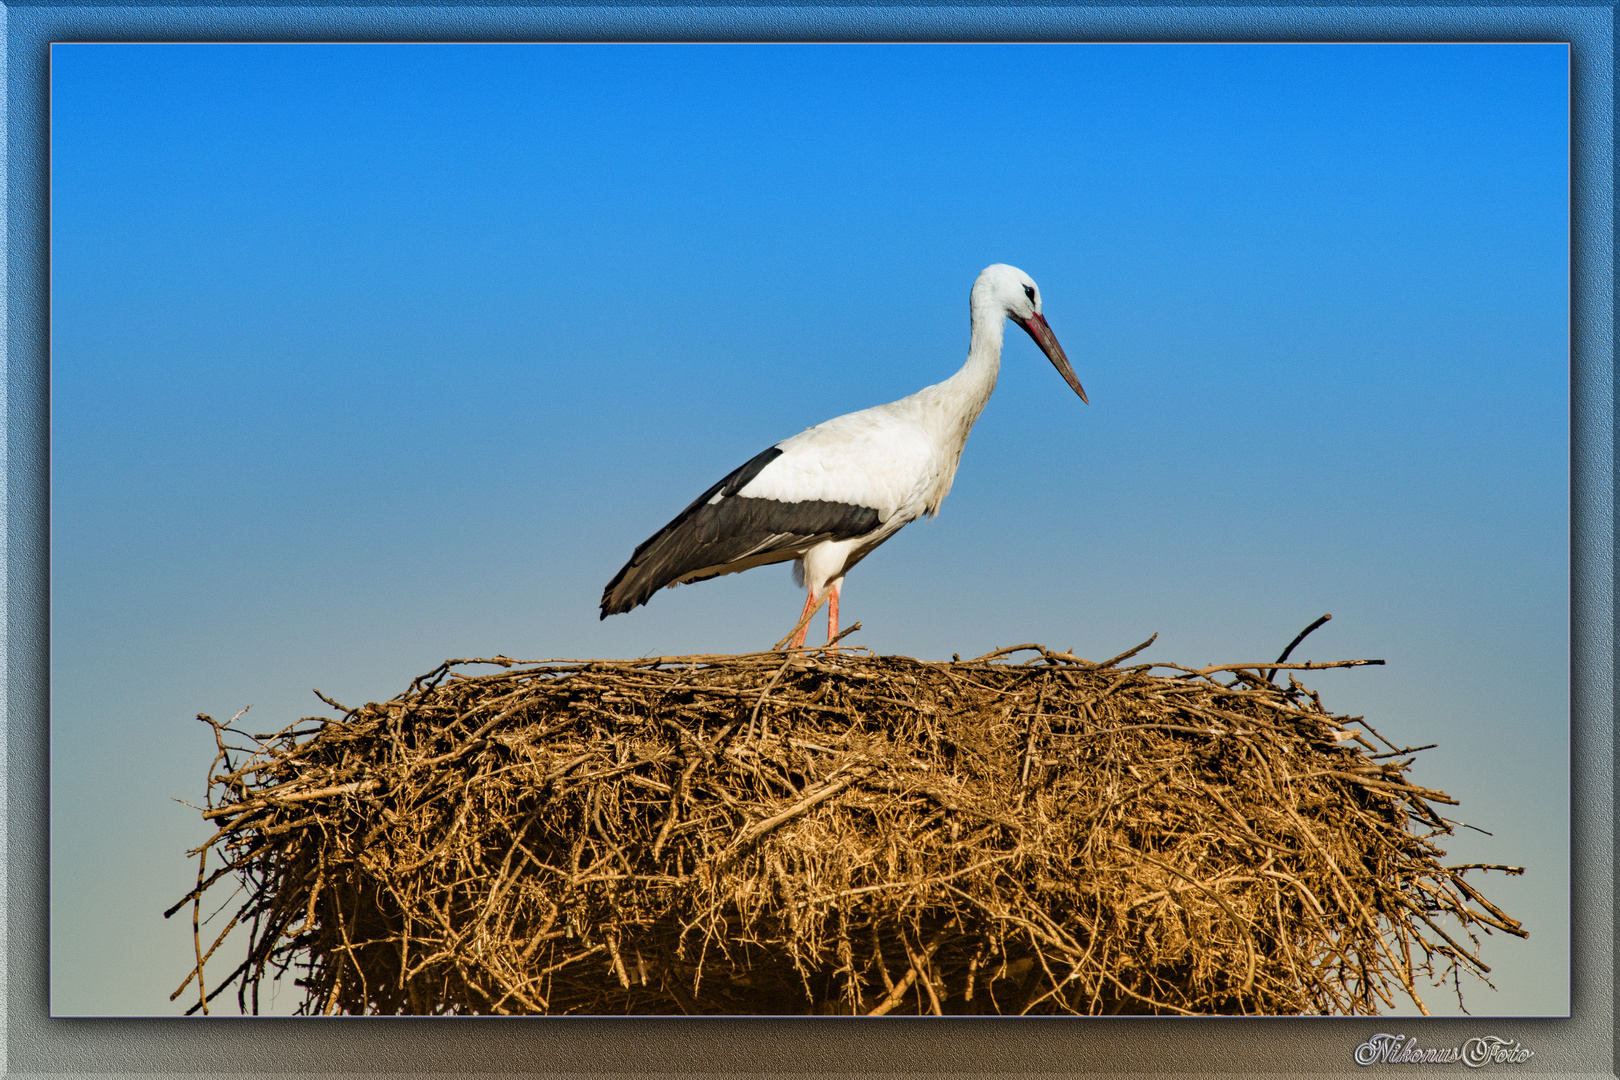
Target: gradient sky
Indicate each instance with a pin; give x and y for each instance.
(369, 356)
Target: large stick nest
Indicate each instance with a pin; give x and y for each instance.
(819, 832)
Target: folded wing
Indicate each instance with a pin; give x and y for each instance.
(724, 532)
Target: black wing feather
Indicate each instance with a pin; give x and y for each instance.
(708, 539)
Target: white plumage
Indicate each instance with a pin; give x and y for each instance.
(829, 495)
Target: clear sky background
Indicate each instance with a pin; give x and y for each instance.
(369, 356)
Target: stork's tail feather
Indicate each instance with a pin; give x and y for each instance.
(634, 584)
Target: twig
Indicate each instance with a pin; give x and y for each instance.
(816, 797)
(898, 994)
(842, 634)
(1274, 667)
(804, 621)
(1128, 653)
(1002, 652)
(1303, 634)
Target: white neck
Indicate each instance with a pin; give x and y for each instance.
(963, 395)
(949, 408)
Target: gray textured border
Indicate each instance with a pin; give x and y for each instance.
(35, 1045)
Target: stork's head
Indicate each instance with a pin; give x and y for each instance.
(1008, 289)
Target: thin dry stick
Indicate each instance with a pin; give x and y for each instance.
(1301, 636)
(196, 934)
(1275, 667)
(804, 621)
(898, 994)
(753, 717)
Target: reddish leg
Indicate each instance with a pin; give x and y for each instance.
(804, 617)
(832, 615)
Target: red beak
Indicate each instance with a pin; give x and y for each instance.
(1036, 325)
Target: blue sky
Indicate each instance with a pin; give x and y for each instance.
(366, 356)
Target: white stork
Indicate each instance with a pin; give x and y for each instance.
(828, 496)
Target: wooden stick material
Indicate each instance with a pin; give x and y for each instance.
(723, 834)
(898, 994)
(821, 795)
(1301, 636)
(1275, 667)
(804, 619)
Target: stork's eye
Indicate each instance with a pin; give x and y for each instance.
(1029, 291)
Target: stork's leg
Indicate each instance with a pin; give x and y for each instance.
(832, 614)
(804, 621)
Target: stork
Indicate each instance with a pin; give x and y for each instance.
(828, 496)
